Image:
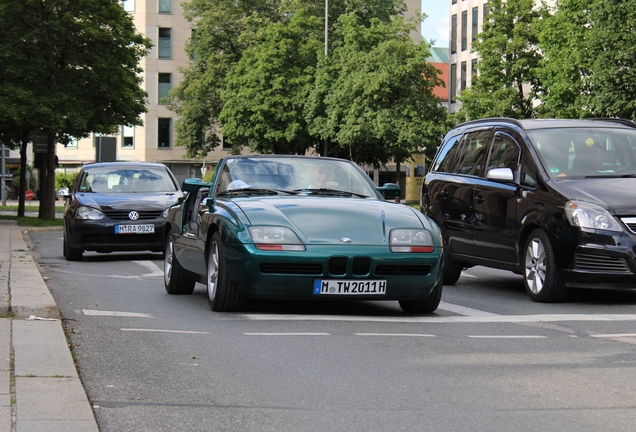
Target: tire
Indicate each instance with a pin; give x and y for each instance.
(174, 277)
(223, 293)
(540, 275)
(426, 304)
(451, 269)
(69, 253)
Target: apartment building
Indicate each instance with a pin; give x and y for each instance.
(163, 22)
(466, 22)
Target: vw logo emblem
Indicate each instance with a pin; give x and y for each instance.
(345, 240)
(133, 215)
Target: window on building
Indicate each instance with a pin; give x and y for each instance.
(453, 82)
(453, 34)
(165, 42)
(454, 2)
(462, 79)
(475, 26)
(165, 6)
(164, 132)
(128, 5)
(473, 70)
(464, 30)
(193, 44)
(165, 84)
(127, 136)
(485, 11)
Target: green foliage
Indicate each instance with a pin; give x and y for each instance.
(373, 97)
(63, 180)
(31, 180)
(507, 83)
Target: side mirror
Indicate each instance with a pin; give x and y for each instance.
(64, 193)
(500, 174)
(389, 190)
(194, 184)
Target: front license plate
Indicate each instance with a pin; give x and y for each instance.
(135, 229)
(349, 287)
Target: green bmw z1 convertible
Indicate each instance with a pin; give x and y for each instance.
(299, 227)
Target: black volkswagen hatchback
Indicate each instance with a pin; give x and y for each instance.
(553, 200)
(118, 206)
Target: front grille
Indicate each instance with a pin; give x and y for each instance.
(286, 268)
(361, 266)
(123, 214)
(600, 264)
(630, 222)
(402, 270)
(338, 266)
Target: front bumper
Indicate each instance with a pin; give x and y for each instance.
(100, 236)
(292, 274)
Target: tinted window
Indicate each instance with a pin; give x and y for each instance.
(473, 153)
(504, 153)
(446, 155)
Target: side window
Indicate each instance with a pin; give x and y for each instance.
(504, 153)
(446, 155)
(473, 153)
(527, 174)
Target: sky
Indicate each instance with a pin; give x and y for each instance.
(435, 26)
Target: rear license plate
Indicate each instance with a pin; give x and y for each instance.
(135, 229)
(349, 287)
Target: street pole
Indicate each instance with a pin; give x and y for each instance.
(4, 190)
(326, 47)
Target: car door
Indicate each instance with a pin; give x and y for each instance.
(190, 245)
(455, 191)
(495, 202)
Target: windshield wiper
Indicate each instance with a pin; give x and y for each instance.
(332, 191)
(255, 191)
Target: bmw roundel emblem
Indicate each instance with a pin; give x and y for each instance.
(133, 215)
(345, 240)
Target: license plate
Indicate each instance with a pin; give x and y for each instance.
(349, 287)
(135, 229)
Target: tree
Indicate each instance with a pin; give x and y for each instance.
(373, 97)
(564, 71)
(74, 70)
(225, 31)
(612, 53)
(506, 83)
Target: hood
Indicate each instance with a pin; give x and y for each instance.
(324, 220)
(618, 195)
(145, 201)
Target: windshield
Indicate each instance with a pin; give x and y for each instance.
(294, 174)
(127, 180)
(586, 152)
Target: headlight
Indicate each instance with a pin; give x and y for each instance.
(275, 238)
(590, 217)
(411, 240)
(165, 213)
(88, 213)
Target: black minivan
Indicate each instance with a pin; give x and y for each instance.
(553, 200)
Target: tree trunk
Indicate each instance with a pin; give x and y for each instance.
(23, 170)
(47, 188)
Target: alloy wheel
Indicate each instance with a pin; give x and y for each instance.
(535, 266)
(213, 270)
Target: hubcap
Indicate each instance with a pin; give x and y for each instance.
(167, 263)
(535, 266)
(213, 271)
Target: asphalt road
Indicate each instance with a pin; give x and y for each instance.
(489, 360)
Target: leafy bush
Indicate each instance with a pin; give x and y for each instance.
(63, 180)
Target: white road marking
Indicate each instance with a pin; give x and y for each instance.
(507, 337)
(92, 312)
(449, 319)
(462, 310)
(155, 271)
(395, 334)
(618, 335)
(286, 334)
(162, 331)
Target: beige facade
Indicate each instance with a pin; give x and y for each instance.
(466, 22)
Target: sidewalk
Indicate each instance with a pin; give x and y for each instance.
(39, 386)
